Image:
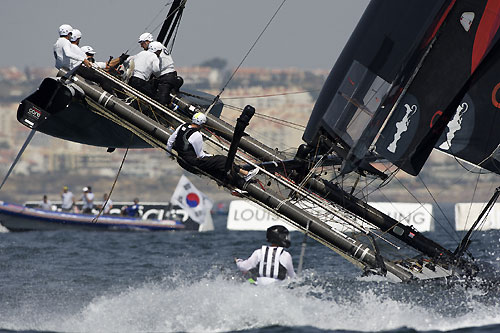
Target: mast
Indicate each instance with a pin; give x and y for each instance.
(171, 22)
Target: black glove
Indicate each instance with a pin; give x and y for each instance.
(123, 57)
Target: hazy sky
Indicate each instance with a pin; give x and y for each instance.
(305, 33)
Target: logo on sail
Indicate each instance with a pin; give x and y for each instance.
(402, 126)
(454, 125)
(466, 20)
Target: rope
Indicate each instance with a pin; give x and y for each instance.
(245, 57)
(21, 151)
(94, 220)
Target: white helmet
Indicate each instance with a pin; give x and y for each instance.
(155, 46)
(87, 49)
(199, 118)
(75, 34)
(146, 37)
(65, 29)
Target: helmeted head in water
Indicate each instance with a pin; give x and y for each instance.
(278, 235)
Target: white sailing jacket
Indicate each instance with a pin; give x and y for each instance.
(272, 262)
(63, 53)
(166, 63)
(196, 140)
(145, 64)
(78, 51)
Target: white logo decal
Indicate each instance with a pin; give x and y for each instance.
(454, 125)
(466, 20)
(402, 126)
(34, 113)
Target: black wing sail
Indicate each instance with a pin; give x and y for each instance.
(366, 80)
(434, 94)
(399, 79)
(471, 134)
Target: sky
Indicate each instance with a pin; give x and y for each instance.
(306, 34)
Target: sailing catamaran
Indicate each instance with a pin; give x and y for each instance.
(414, 76)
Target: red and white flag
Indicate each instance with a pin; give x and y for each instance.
(193, 201)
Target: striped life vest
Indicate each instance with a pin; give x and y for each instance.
(270, 265)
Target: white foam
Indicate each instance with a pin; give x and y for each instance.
(215, 304)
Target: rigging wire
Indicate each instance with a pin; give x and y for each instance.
(245, 57)
(157, 27)
(257, 114)
(19, 154)
(273, 95)
(283, 122)
(95, 219)
(480, 226)
(438, 206)
(416, 199)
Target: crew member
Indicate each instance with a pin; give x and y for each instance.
(67, 199)
(107, 204)
(46, 204)
(188, 142)
(132, 211)
(88, 200)
(145, 39)
(270, 263)
(168, 75)
(145, 63)
(76, 36)
(62, 49)
(89, 52)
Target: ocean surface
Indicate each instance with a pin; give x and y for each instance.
(69, 281)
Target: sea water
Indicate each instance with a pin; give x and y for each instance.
(80, 281)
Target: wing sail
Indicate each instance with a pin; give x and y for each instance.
(432, 98)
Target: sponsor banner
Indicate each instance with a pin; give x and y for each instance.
(467, 213)
(417, 215)
(246, 215)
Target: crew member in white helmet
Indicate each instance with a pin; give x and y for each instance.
(76, 36)
(62, 49)
(146, 63)
(145, 39)
(188, 142)
(270, 263)
(89, 52)
(167, 79)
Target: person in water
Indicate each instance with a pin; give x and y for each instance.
(270, 263)
(188, 142)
